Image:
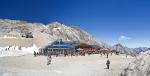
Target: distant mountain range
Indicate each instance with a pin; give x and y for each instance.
(141, 49)
(130, 51)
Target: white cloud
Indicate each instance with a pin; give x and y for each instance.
(123, 38)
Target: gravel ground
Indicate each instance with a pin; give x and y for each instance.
(94, 65)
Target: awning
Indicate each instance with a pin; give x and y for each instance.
(79, 49)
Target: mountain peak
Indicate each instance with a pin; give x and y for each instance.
(119, 45)
(122, 49)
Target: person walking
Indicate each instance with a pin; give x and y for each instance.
(49, 59)
(108, 64)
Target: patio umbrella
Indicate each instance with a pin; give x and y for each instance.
(79, 49)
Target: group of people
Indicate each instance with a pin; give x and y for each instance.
(37, 53)
(82, 53)
(49, 58)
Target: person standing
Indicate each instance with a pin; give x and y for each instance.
(34, 54)
(108, 64)
(107, 54)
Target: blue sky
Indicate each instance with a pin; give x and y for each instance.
(112, 21)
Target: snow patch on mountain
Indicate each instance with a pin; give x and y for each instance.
(17, 50)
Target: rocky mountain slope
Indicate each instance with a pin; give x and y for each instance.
(41, 34)
(123, 49)
(140, 66)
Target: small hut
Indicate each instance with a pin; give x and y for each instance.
(59, 47)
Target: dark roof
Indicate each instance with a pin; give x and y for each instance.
(82, 45)
(96, 46)
(60, 45)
